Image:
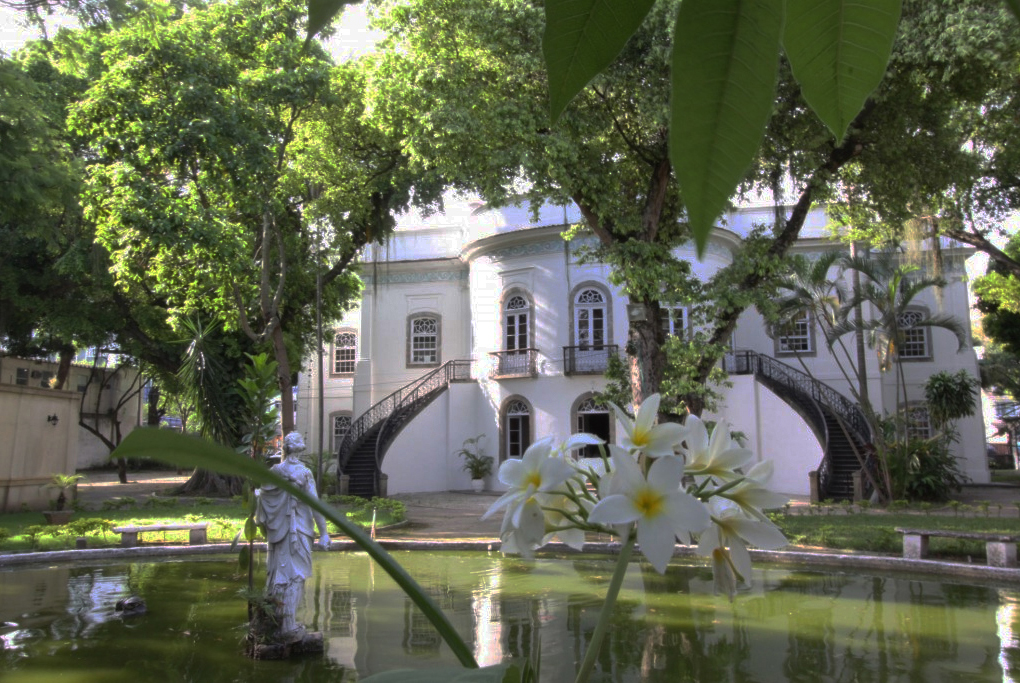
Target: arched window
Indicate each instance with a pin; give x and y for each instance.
(423, 339)
(340, 424)
(345, 352)
(588, 416)
(517, 324)
(515, 426)
(914, 344)
(590, 319)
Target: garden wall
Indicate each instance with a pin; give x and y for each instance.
(33, 447)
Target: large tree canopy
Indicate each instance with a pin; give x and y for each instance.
(228, 163)
(464, 82)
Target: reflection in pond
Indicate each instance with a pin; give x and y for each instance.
(793, 626)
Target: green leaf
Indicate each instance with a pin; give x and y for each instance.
(500, 673)
(244, 558)
(188, 451)
(321, 12)
(583, 37)
(838, 51)
(725, 62)
(250, 530)
(1014, 6)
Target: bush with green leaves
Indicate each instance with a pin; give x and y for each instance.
(924, 469)
(118, 503)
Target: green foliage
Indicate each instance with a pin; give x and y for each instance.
(158, 503)
(951, 396)
(118, 503)
(476, 463)
(924, 469)
(258, 390)
(5, 533)
(725, 64)
(838, 52)
(725, 57)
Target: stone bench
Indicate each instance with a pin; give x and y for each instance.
(129, 534)
(1000, 549)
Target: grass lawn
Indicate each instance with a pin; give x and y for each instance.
(876, 531)
(1006, 477)
(27, 531)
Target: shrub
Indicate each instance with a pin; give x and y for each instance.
(118, 503)
(164, 503)
(5, 533)
(924, 469)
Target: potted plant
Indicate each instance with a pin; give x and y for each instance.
(476, 463)
(61, 482)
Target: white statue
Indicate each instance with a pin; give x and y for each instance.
(290, 532)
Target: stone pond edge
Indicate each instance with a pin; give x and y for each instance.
(800, 558)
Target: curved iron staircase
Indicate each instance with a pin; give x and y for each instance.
(361, 452)
(837, 422)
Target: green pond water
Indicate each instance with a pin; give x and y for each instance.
(58, 623)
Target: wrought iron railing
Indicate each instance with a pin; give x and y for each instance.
(518, 363)
(587, 360)
(405, 396)
(751, 362)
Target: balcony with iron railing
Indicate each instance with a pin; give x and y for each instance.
(516, 363)
(588, 360)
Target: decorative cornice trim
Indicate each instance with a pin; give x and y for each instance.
(416, 277)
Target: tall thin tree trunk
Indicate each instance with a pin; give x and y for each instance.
(862, 370)
(283, 375)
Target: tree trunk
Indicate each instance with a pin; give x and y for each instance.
(205, 483)
(283, 375)
(64, 368)
(154, 414)
(862, 367)
(644, 347)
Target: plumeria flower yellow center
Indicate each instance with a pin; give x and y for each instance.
(661, 510)
(649, 502)
(642, 434)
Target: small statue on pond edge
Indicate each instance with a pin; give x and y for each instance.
(290, 530)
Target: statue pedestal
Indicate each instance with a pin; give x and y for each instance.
(311, 644)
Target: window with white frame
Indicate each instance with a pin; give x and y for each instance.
(517, 428)
(590, 318)
(914, 339)
(918, 422)
(21, 376)
(673, 320)
(517, 323)
(795, 335)
(345, 353)
(424, 341)
(341, 425)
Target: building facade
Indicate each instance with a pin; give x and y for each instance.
(534, 325)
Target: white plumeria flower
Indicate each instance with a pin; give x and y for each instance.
(726, 543)
(556, 509)
(661, 510)
(716, 457)
(535, 472)
(524, 531)
(752, 496)
(576, 441)
(642, 434)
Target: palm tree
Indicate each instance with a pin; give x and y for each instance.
(810, 291)
(892, 289)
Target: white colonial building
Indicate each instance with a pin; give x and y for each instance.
(485, 322)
